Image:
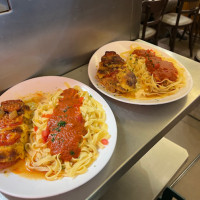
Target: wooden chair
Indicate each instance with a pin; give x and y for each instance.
(152, 12)
(171, 6)
(197, 57)
(182, 19)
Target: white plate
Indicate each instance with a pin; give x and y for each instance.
(28, 188)
(122, 46)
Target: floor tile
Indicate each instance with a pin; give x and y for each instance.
(187, 134)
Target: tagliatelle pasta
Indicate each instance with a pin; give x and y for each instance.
(39, 155)
(147, 86)
(140, 74)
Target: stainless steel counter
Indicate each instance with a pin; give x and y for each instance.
(139, 129)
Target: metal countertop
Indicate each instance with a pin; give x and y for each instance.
(139, 129)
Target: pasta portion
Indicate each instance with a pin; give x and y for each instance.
(39, 155)
(140, 74)
(159, 82)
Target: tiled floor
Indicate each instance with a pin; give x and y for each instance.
(187, 135)
(181, 47)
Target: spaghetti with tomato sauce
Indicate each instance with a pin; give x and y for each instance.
(159, 68)
(157, 76)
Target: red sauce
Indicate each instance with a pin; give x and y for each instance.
(9, 138)
(65, 127)
(21, 169)
(9, 133)
(155, 65)
(6, 122)
(4, 165)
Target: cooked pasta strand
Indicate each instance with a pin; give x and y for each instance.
(39, 157)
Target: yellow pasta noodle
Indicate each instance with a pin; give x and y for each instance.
(146, 86)
(39, 157)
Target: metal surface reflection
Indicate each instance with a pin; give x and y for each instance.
(53, 37)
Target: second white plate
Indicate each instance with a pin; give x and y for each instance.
(122, 46)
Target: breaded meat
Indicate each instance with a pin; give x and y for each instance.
(114, 74)
(14, 127)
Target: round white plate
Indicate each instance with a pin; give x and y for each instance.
(28, 188)
(122, 46)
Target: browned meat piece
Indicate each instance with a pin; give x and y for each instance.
(110, 63)
(5, 121)
(13, 131)
(114, 74)
(5, 165)
(10, 136)
(111, 60)
(129, 79)
(12, 105)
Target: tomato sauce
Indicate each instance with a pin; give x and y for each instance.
(9, 138)
(6, 122)
(160, 69)
(65, 127)
(21, 169)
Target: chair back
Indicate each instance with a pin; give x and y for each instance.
(192, 12)
(153, 11)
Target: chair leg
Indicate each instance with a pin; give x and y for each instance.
(190, 47)
(157, 33)
(156, 39)
(170, 37)
(170, 194)
(190, 42)
(181, 37)
(197, 26)
(173, 38)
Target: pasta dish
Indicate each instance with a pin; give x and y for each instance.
(140, 74)
(68, 129)
(57, 134)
